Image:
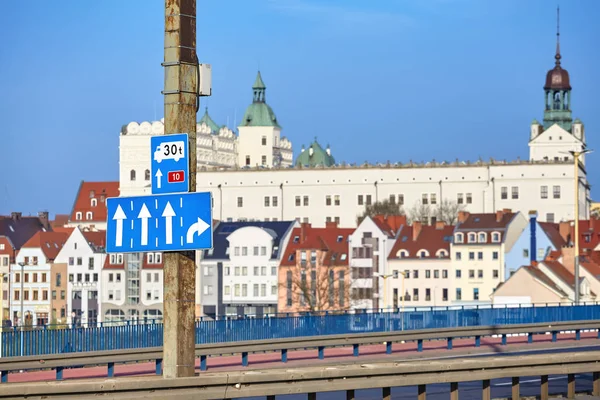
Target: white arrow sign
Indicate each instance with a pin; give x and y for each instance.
(144, 215)
(196, 228)
(119, 217)
(168, 213)
(158, 178)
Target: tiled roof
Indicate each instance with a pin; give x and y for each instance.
(277, 229)
(96, 239)
(108, 265)
(49, 242)
(93, 190)
(389, 224)
(483, 222)
(539, 275)
(561, 272)
(19, 229)
(332, 240)
(147, 265)
(430, 238)
(59, 220)
(551, 230)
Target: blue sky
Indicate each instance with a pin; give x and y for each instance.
(385, 80)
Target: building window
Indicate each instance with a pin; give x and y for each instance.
(495, 274)
(514, 192)
(263, 160)
(471, 274)
(480, 255)
(480, 273)
(336, 200)
(360, 200)
(78, 215)
(240, 202)
(525, 253)
(550, 217)
(433, 198)
(504, 193)
(274, 202)
(247, 160)
(401, 199)
(460, 199)
(424, 201)
(392, 199)
(471, 255)
(495, 255)
(482, 237)
(93, 202)
(475, 294)
(458, 294)
(267, 201)
(495, 237)
(458, 274)
(132, 175)
(556, 192)
(469, 198)
(544, 192)
(147, 175)
(328, 200)
(368, 200)
(305, 201)
(472, 238)
(264, 140)
(459, 237)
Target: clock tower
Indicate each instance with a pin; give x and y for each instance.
(557, 94)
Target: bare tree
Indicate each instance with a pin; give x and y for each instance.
(419, 212)
(385, 207)
(320, 288)
(447, 211)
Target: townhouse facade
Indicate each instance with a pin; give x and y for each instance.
(314, 274)
(239, 275)
(369, 247)
(84, 255)
(421, 266)
(478, 252)
(31, 277)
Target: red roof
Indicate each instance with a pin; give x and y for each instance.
(147, 265)
(93, 190)
(417, 237)
(108, 265)
(561, 272)
(59, 220)
(389, 224)
(332, 240)
(49, 242)
(551, 230)
(96, 238)
(589, 233)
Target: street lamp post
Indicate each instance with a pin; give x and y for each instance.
(21, 297)
(576, 155)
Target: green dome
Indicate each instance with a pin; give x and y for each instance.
(214, 128)
(319, 156)
(259, 113)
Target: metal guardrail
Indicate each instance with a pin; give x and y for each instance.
(59, 362)
(40, 342)
(312, 380)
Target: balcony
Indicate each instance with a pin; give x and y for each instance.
(362, 262)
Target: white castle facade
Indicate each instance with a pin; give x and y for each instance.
(252, 177)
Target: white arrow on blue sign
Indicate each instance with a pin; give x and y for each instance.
(174, 222)
(170, 163)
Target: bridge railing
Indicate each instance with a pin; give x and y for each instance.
(23, 342)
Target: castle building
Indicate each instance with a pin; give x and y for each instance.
(251, 176)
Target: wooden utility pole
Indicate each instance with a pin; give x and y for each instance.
(181, 88)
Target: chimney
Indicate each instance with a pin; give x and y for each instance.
(331, 225)
(564, 228)
(507, 210)
(462, 216)
(532, 238)
(43, 216)
(16, 215)
(499, 215)
(439, 225)
(304, 227)
(416, 226)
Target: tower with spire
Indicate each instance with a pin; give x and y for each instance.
(259, 133)
(559, 133)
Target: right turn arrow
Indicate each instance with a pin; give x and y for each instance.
(196, 228)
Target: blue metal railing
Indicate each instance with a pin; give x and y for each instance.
(38, 341)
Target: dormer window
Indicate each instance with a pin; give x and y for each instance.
(472, 238)
(340, 238)
(423, 253)
(88, 215)
(459, 238)
(495, 237)
(402, 254)
(78, 215)
(441, 253)
(93, 202)
(482, 237)
(296, 239)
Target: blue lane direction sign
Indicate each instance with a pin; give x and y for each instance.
(173, 222)
(170, 163)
